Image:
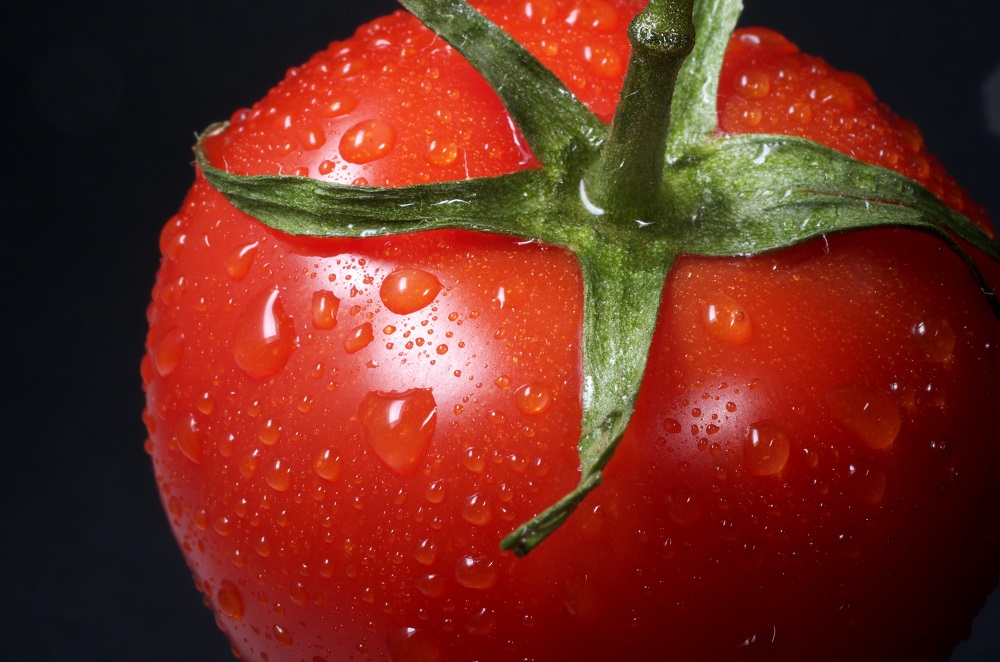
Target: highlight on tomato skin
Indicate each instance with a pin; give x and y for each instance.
(342, 430)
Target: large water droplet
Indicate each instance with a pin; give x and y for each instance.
(230, 600)
(325, 306)
(189, 438)
(533, 398)
(765, 449)
(476, 572)
(327, 465)
(279, 475)
(360, 337)
(685, 506)
(867, 411)
(169, 351)
(408, 290)
(367, 141)
(240, 260)
(726, 320)
(399, 427)
(265, 336)
(476, 510)
(936, 337)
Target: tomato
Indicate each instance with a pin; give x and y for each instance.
(343, 430)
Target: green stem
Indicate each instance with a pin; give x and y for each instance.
(632, 161)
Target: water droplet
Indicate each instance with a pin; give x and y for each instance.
(477, 572)
(941, 448)
(476, 510)
(312, 138)
(412, 645)
(765, 449)
(603, 61)
(936, 337)
(726, 320)
(189, 438)
(359, 338)
(269, 433)
(169, 351)
(684, 505)
(230, 600)
(240, 260)
(399, 427)
(482, 622)
(265, 336)
(867, 411)
(753, 84)
(205, 403)
(282, 636)
(367, 141)
(325, 306)
(435, 492)
(868, 484)
(408, 290)
(473, 459)
(425, 552)
(533, 398)
(327, 465)
(442, 153)
(430, 585)
(279, 475)
(671, 425)
(339, 106)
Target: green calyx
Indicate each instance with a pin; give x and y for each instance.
(626, 200)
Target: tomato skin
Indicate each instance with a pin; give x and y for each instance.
(339, 482)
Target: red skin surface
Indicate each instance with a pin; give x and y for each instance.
(325, 519)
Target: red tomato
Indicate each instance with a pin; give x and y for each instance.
(343, 430)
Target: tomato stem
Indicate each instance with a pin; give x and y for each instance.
(631, 166)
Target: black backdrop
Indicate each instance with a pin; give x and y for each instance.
(101, 102)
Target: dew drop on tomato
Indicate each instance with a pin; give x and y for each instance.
(867, 411)
(327, 465)
(476, 510)
(476, 572)
(265, 336)
(282, 636)
(936, 338)
(533, 398)
(169, 352)
(408, 290)
(325, 306)
(412, 645)
(685, 505)
(726, 320)
(868, 484)
(269, 433)
(367, 141)
(435, 492)
(766, 449)
(399, 427)
(360, 337)
(441, 153)
(431, 585)
(189, 438)
(425, 552)
(240, 260)
(481, 622)
(338, 106)
(230, 600)
(279, 475)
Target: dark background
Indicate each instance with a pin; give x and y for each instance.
(102, 101)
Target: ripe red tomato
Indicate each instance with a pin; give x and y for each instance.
(343, 430)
